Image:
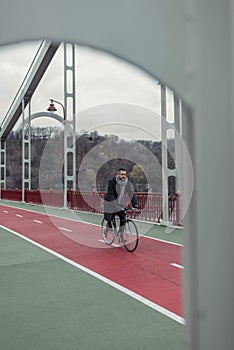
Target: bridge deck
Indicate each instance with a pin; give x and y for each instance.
(48, 303)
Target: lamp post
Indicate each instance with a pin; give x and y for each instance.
(53, 109)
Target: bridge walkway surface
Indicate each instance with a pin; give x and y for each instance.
(60, 290)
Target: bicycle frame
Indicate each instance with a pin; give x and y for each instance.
(127, 234)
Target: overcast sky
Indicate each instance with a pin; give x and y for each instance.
(109, 91)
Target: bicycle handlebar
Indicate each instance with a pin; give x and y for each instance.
(134, 209)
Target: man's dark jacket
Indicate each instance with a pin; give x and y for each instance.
(113, 192)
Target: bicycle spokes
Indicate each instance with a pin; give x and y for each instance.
(130, 236)
(126, 236)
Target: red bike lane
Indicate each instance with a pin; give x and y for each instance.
(151, 271)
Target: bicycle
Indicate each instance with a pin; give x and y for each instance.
(127, 235)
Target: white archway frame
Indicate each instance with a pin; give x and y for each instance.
(181, 44)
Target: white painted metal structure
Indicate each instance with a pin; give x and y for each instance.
(166, 172)
(189, 46)
(22, 99)
(37, 69)
(26, 150)
(70, 112)
(3, 165)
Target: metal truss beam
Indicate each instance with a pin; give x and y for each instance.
(36, 71)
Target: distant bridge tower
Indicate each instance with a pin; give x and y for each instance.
(70, 113)
(3, 165)
(26, 148)
(176, 127)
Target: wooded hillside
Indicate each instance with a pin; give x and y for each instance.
(95, 158)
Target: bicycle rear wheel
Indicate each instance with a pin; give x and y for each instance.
(108, 234)
(130, 236)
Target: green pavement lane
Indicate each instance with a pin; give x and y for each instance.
(46, 303)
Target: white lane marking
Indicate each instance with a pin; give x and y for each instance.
(38, 221)
(19, 216)
(136, 296)
(65, 229)
(113, 244)
(5, 211)
(177, 265)
(163, 240)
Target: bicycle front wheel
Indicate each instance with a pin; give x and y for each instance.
(130, 237)
(108, 234)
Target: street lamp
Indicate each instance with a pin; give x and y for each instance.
(53, 109)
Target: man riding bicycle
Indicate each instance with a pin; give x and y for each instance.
(114, 198)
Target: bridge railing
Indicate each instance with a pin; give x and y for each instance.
(150, 203)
